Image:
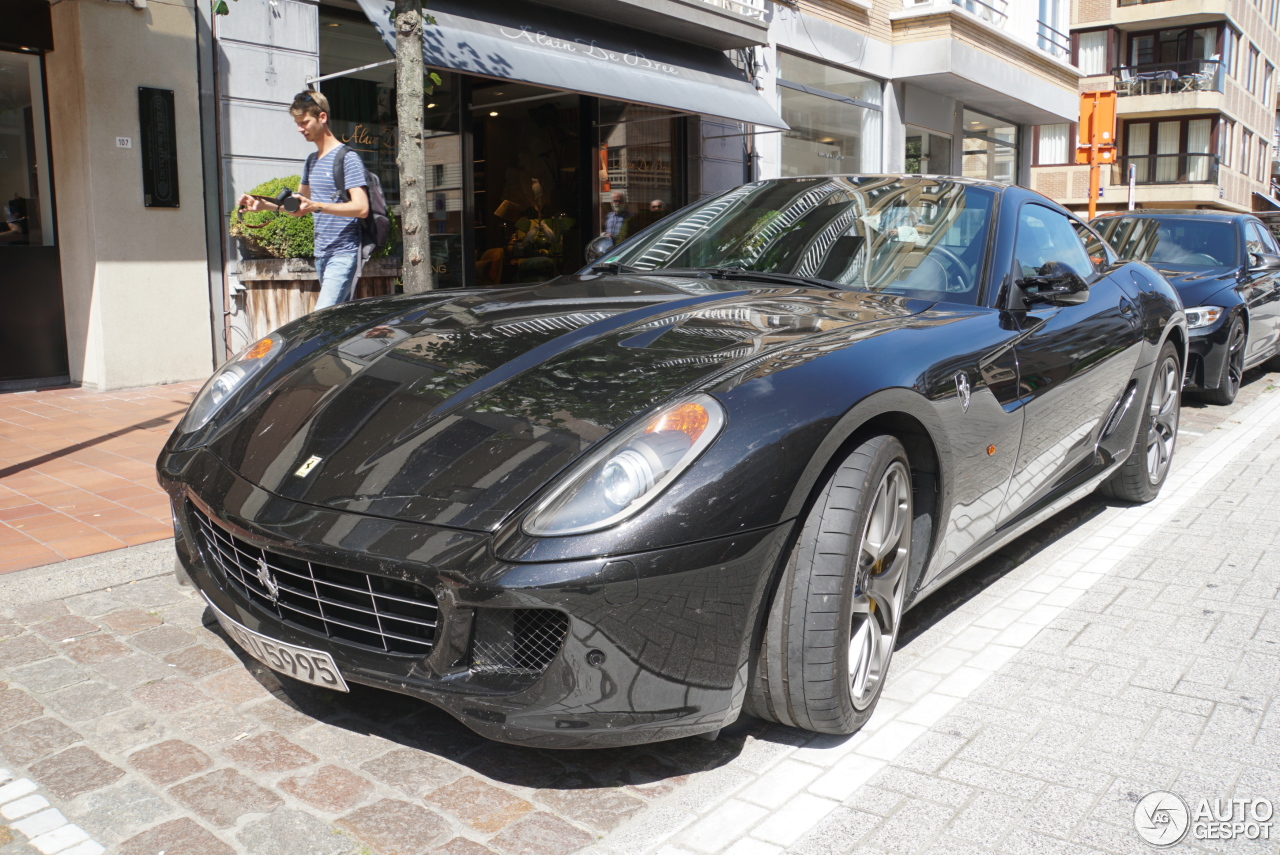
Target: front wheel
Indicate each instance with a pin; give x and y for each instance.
(831, 629)
(1143, 473)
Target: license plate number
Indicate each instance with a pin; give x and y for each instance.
(301, 663)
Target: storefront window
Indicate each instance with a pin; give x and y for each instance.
(990, 148)
(527, 148)
(24, 163)
(835, 118)
(640, 178)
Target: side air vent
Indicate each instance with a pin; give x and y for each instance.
(516, 641)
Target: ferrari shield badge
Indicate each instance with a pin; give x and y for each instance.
(962, 390)
(305, 469)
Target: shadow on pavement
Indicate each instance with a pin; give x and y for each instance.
(655, 768)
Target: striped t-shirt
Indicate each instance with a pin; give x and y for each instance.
(334, 234)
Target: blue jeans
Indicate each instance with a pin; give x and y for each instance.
(337, 274)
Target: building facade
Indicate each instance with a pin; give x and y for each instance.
(1196, 104)
(579, 117)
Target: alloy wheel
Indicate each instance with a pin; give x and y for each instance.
(1162, 432)
(883, 556)
(1235, 360)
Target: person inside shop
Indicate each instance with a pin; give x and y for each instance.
(617, 215)
(336, 223)
(644, 219)
(15, 221)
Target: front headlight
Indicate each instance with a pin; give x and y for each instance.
(226, 380)
(630, 471)
(1203, 316)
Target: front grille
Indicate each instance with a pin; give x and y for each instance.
(369, 611)
(516, 641)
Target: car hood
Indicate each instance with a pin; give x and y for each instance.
(1195, 287)
(454, 410)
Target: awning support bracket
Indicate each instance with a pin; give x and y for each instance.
(311, 80)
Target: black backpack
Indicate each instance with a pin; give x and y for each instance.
(376, 226)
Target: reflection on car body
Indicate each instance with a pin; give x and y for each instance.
(706, 475)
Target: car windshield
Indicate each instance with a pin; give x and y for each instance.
(921, 237)
(1185, 242)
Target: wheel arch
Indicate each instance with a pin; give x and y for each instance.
(911, 418)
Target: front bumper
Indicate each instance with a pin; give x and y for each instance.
(655, 645)
(1207, 356)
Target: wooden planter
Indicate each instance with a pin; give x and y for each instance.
(279, 290)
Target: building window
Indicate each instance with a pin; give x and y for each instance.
(835, 118)
(1174, 60)
(990, 148)
(1091, 52)
(927, 152)
(1171, 151)
(1053, 145)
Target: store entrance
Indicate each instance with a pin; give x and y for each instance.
(33, 339)
(528, 148)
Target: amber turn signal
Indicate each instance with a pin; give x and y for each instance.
(690, 419)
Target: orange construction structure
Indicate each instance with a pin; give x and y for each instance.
(1097, 142)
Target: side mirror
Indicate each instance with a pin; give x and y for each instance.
(1056, 284)
(598, 246)
(1264, 262)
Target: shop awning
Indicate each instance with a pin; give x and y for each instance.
(548, 47)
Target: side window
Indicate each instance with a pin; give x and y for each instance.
(1267, 238)
(1254, 240)
(1093, 244)
(1044, 235)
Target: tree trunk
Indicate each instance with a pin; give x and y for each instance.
(410, 156)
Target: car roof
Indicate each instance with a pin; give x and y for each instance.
(956, 179)
(1180, 213)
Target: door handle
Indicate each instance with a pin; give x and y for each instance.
(1126, 308)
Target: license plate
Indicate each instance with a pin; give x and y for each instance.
(301, 663)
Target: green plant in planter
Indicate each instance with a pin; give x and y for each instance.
(290, 237)
(284, 236)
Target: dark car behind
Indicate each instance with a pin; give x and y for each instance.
(1226, 268)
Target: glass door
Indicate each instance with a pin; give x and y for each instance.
(928, 152)
(33, 342)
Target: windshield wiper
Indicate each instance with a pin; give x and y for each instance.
(764, 276)
(615, 268)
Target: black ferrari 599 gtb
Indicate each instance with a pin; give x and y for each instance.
(705, 476)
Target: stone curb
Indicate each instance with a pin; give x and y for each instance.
(90, 573)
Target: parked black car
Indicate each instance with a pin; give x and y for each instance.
(707, 474)
(1226, 268)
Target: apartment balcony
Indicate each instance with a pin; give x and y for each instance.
(1140, 14)
(1169, 88)
(1069, 185)
(1181, 168)
(994, 55)
(719, 24)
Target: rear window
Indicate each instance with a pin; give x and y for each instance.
(1178, 242)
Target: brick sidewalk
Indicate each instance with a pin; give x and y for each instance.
(77, 471)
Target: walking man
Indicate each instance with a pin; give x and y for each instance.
(337, 223)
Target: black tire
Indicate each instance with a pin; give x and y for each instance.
(829, 635)
(1144, 471)
(1232, 367)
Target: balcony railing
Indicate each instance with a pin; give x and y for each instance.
(1137, 2)
(749, 8)
(1171, 168)
(994, 12)
(1053, 42)
(1162, 78)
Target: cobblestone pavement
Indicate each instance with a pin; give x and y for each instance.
(77, 471)
(1115, 651)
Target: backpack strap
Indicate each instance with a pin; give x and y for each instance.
(310, 165)
(339, 173)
